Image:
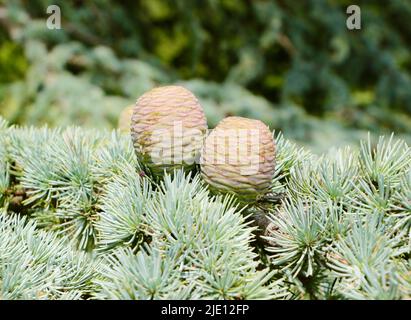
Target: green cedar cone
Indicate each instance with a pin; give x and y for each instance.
(238, 157)
(124, 120)
(167, 128)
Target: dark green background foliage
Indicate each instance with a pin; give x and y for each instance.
(293, 64)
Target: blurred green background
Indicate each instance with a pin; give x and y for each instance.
(292, 64)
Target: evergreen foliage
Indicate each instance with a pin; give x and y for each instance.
(81, 220)
(295, 66)
(35, 264)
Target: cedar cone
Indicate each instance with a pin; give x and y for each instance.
(167, 128)
(238, 157)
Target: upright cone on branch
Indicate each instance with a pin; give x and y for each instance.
(124, 120)
(238, 157)
(167, 128)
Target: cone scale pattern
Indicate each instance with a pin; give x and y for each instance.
(167, 128)
(238, 157)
